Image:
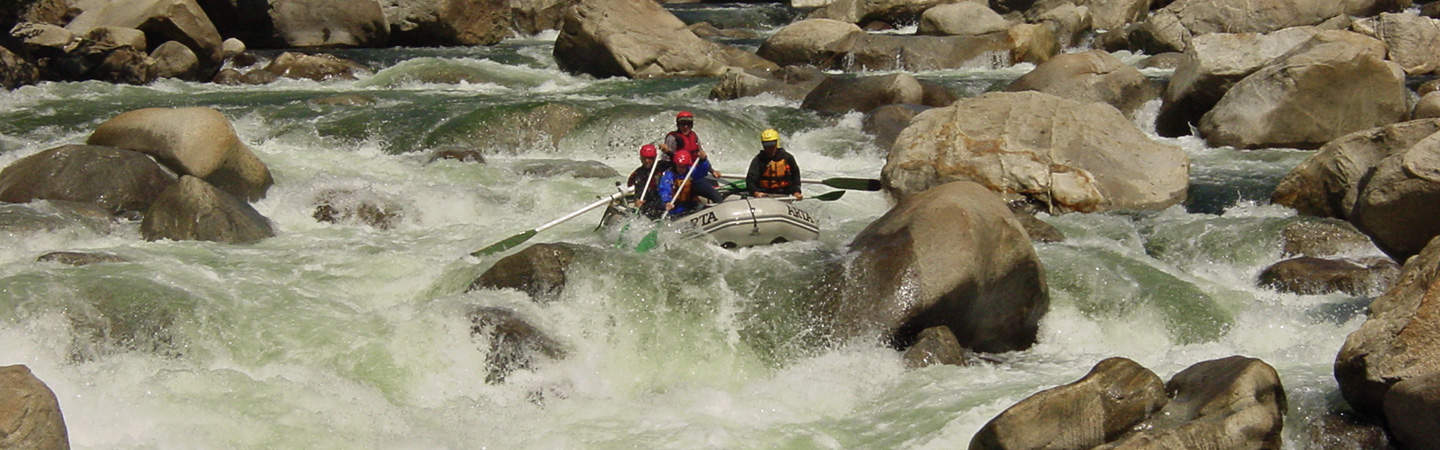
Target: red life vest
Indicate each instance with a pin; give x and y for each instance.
(689, 142)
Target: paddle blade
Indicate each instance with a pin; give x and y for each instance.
(506, 244)
(648, 242)
(829, 196)
(857, 184)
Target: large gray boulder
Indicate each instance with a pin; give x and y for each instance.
(197, 141)
(1093, 76)
(1234, 403)
(921, 53)
(790, 83)
(1412, 411)
(319, 67)
(121, 181)
(1395, 205)
(889, 11)
(1116, 395)
(1329, 86)
(1173, 26)
(964, 18)
(1410, 40)
(1114, 15)
(192, 209)
(30, 415)
(640, 39)
(182, 21)
(1310, 276)
(838, 95)
(447, 22)
(515, 344)
(1211, 65)
(533, 16)
(954, 256)
(1328, 183)
(328, 23)
(175, 60)
(1032, 146)
(886, 122)
(1399, 341)
(822, 43)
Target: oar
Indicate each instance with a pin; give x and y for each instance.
(651, 239)
(854, 184)
(518, 239)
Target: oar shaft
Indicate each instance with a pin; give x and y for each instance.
(587, 208)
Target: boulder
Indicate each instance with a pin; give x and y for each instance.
(197, 141)
(80, 258)
(1116, 395)
(954, 256)
(1093, 76)
(1032, 146)
(328, 23)
(1329, 86)
(124, 65)
(709, 31)
(1323, 237)
(232, 48)
(16, 71)
(1347, 430)
(1394, 206)
(447, 22)
(1412, 409)
(964, 18)
(459, 154)
(822, 43)
(568, 167)
(1030, 42)
(538, 270)
(1211, 65)
(175, 60)
(1114, 15)
(935, 345)
(53, 12)
(53, 215)
(161, 20)
(790, 83)
(1410, 40)
(1428, 107)
(121, 181)
(1233, 402)
(1171, 28)
(345, 205)
(192, 209)
(1309, 275)
(106, 39)
(1070, 23)
(530, 17)
(1399, 341)
(840, 95)
(886, 122)
(29, 413)
(45, 39)
(524, 128)
(892, 12)
(922, 53)
(319, 67)
(514, 343)
(1328, 183)
(633, 39)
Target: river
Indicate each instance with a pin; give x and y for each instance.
(345, 335)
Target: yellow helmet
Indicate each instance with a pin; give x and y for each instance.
(770, 135)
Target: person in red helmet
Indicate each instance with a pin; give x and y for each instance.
(684, 140)
(682, 196)
(646, 180)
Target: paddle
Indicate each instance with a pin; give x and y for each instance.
(512, 241)
(854, 184)
(651, 239)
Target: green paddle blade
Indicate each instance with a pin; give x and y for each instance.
(506, 244)
(648, 242)
(829, 196)
(857, 184)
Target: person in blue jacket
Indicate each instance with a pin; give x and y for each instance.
(683, 197)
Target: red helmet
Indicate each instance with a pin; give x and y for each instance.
(647, 151)
(683, 159)
(684, 116)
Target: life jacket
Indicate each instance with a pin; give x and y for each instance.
(776, 175)
(689, 142)
(682, 194)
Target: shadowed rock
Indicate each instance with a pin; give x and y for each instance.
(313, 67)
(538, 270)
(1308, 276)
(514, 342)
(1116, 395)
(1412, 409)
(935, 345)
(1328, 183)
(79, 258)
(1323, 237)
(344, 205)
(121, 181)
(838, 95)
(556, 167)
(161, 20)
(192, 209)
(1233, 402)
(447, 22)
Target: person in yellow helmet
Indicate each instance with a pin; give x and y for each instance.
(773, 171)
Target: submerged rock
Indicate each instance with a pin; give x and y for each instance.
(319, 67)
(1309, 276)
(30, 415)
(935, 345)
(514, 343)
(1323, 237)
(345, 205)
(538, 270)
(556, 167)
(79, 258)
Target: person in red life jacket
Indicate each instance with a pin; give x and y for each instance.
(684, 140)
(683, 197)
(773, 171)
(647, 198)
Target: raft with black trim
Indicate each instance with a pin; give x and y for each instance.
(741, 221)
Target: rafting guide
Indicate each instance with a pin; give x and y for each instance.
(773, 171)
